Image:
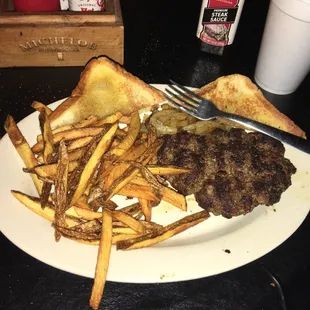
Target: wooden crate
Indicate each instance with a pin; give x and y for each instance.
(61, 38)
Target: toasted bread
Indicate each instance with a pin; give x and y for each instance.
(238, 95)
(104, 88)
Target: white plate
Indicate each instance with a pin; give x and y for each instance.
(196, 253)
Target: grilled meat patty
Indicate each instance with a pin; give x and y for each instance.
(232, 171)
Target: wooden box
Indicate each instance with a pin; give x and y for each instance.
(61, 38)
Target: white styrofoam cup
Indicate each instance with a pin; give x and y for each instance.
(284, 56)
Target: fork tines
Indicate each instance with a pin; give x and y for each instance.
(182, 98)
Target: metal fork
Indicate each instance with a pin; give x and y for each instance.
(203, 109)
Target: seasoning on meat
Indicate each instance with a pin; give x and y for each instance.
(232, 171)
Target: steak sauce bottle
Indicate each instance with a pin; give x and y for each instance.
(218, 24)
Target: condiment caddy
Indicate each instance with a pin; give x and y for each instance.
(61, 38)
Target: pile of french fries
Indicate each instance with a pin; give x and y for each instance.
(77, 169)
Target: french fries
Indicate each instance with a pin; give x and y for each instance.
(133, 190)
(129, 221)
(83, 213)
(70, 135)
(146, 208)
(49, 171)
(109, 175)
(138, 187)
(128, 141)
(61, 188)
(132, 171)
(83, 166)
(54, 131)
(79, 143)
(102, 260)
(48, 151)
(93, 162)
(41, 107)
(34, 205)
(109, 119)
(87, 122)
(164, 233)
(23, 149)
(166, 170)
(48, 141)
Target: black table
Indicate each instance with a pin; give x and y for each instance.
(160, 43)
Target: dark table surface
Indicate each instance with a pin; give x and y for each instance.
(160, 43)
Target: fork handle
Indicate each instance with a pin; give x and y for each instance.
(290, 139)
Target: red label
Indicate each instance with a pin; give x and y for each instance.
(101, 4)
(222, 3)
(211, 41)
(217, 19)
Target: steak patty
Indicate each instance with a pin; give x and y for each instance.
(232, 171)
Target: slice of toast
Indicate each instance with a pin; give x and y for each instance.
(238, 95)
(104, 88)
